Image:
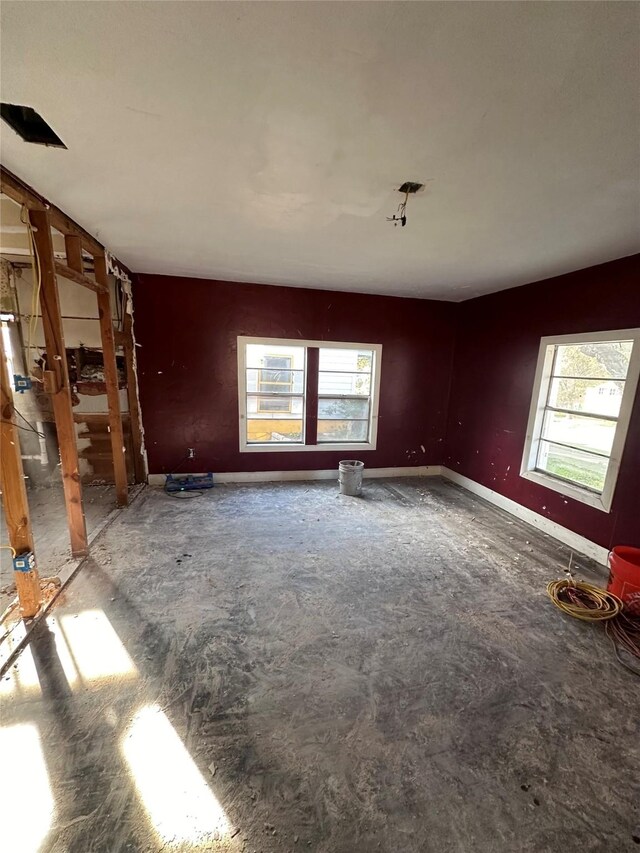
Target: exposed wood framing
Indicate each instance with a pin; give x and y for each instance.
(58, 385)
(22, 193)
(111, 378)
(73, 251)
(78, 277)
(14, 496)
(132, 394)
(43, 217)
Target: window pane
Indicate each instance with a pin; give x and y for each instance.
(270, 407)
(272, 404)
(354, 384)
(276, 377)
(577, 466)
(329, 431)
(349, 360)
(343, 409)
(609, 360)
(587, 395)
(275, 381)
(588, 433)
(273, 429)
(271, 356)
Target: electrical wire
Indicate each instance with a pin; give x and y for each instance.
(29, 427)
(624, 633)
(185, 493)
(584, 600)
(401, 216)
(9, 548)
(36, 286)
(181, 495)
(29, 424)
(26, 429)
(589, 603)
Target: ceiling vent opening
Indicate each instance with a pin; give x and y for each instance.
(29, 125)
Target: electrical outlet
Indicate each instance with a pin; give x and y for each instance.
(191, 453)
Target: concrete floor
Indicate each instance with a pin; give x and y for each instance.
(278, 668)
(50, 532)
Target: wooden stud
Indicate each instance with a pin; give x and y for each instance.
(132, 395)
(111, 378)
(73, 251)
(73, 270)
(14, 496)
(22, 193)
(61, 398)
(78, 277)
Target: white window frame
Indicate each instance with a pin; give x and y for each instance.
(538, 404)
(291, 447)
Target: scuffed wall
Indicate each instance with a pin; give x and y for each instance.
(188, 330)
(496, 355)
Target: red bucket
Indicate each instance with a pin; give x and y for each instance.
(624, 576)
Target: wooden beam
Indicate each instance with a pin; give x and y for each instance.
(22, 193)
(78, 277)
(61, 389)
(132, 393)
(111, 378)
(73, 251)
(14, 496)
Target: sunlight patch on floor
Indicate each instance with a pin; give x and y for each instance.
(26, 804)
(88, 649)
(95, 647)
(180, 805)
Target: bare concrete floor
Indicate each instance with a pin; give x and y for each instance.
(50, 531)
(277, 668)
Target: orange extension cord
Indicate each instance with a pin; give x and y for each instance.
(589, 603)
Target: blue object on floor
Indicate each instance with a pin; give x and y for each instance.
(188, 483)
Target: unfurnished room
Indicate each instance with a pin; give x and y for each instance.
(320, 431)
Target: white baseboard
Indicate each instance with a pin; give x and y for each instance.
(324, 474)
(563, 534)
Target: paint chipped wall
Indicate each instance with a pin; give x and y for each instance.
(188, 330)
(496, 355)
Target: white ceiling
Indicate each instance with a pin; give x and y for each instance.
(264, 141)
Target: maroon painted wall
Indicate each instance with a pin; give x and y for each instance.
(187, 368)
(495, 361)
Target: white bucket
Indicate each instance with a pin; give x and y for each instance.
(350, 477)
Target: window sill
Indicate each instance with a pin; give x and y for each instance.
(282, 447)
(568, 490)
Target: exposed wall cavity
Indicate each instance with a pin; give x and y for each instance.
(25, 345)
(132, 374)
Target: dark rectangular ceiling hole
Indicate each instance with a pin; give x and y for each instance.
(29, 125)
(410, 187)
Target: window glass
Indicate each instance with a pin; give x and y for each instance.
(344, 395)
(583, 399)
(575, 466)
(605, 360)
(275, 394)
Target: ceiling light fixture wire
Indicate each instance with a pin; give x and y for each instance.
(401, 216)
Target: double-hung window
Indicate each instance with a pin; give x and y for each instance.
(583, 395)
(307, 395)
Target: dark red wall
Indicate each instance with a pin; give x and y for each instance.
(188, 368)
(188, 377)
(495, 361)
